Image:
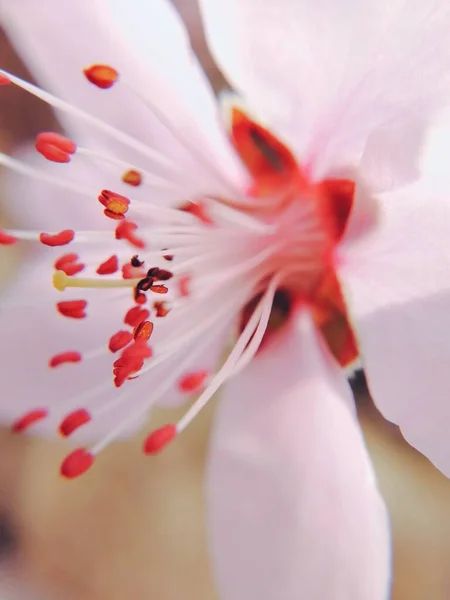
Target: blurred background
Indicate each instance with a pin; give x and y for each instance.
(134, 528)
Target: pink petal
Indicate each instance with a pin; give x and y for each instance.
(398, 145)
(397, 285)
(49, 39)
(293, 505)
(327, 74)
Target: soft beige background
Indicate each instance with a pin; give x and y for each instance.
(133, 528)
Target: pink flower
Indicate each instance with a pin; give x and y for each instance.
(295, 244)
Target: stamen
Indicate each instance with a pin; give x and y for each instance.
(6, 239)
(159, 289)
(109, 266)
(125, 230)
(116, 205)
(59, 104)
(150, 178)
(29, 419)
(103, 76)
(63, 358)
(256, 326)
(193, 382)
(76, 463)
(132, 177)
(156, 395)
(55, 147)
(143, 331)
(57, 239)
(74, 421)
(161, 308)
(74, 309)
(68, 263)
(159, 438)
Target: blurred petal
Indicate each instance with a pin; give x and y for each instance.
(397, 286)
(327, 83)
(294, 507)
(168, 76)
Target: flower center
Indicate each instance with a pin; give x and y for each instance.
(308, 221)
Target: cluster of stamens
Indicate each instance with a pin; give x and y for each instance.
(262, 259)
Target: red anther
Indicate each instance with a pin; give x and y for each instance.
(64, 357)
(55, 147)
(73, 421)
(132, 177)
(58, 239)
(192, 382)
(162, 275)
(72, 268)
(68, 264)
(184, 285)
(139, 297)
(144, 284)
(109, 266)
(157, 440)
(135, 316)
(119, 340)
(115, 204)
(4, 80)
(168, 257)
(76, 463)
(6, 239)
(159, 289)
(106, 196)
(135, 262)
(161, 309)
(139, 349)
(143, 331)
(75, 309)
(29, 419)
(65, 258)
(198, 210)
(103, 76)
(125, 230)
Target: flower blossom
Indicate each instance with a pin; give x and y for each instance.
(257, 250)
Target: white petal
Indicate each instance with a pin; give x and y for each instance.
(398, 290)
(57, 41)
(294, 510)
(327, 74)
